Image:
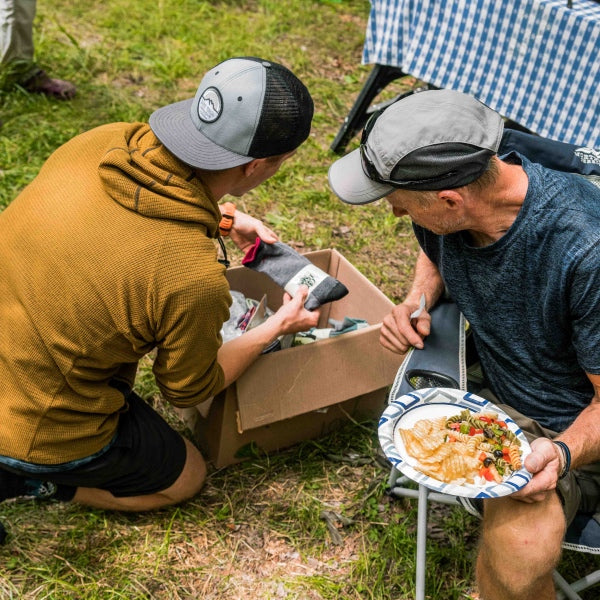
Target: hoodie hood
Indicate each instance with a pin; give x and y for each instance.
(140, 174)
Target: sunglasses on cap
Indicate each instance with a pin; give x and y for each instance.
(367, 164)
(371, 172)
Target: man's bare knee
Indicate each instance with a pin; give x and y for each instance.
(191, 479)
(195, 468)
(516, 534)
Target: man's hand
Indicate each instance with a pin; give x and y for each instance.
(292, 317)
(544, 464)
(236, 355)
(399, 332)
(246, 229)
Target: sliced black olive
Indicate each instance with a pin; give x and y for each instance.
(488, 433)
(487, 461)
(498, 453)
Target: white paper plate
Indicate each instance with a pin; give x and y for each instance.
(429, 403)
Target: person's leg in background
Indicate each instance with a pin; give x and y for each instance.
(17, 52)
(16, 37)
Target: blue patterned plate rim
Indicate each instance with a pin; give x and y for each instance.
(431, 402)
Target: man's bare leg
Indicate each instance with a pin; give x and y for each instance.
(520, 547)
(188, 484)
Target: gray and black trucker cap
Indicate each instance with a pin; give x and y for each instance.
(245, 108)
(432, 140)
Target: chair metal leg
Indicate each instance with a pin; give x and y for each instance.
(393, 478)
(421, 566)
(397, 484)
(380, 76)
(566, 591)
(569, 590)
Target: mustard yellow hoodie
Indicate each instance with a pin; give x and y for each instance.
(106, 255)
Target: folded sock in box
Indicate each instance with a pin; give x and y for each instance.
(290, 270)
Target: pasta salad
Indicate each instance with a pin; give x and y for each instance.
(475, 448)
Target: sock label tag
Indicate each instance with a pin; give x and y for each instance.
(310, 276)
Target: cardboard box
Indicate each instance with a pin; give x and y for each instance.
(302, 392)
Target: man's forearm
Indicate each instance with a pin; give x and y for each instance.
(583, 436)
(238, 354)
(427, 280)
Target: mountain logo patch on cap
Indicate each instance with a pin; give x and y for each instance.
(210, 105)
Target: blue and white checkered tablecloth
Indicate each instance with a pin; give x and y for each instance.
(536, 62)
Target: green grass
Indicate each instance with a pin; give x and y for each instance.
(127, 60)
(261, 517)
(258, 529)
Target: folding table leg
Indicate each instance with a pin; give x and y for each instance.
(379, 77)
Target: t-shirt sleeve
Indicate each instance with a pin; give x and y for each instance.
(585, 303)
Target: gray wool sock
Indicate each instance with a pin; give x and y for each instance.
(289, 269)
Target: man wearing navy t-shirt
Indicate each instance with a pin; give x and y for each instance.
(517, 247)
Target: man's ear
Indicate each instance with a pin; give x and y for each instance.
(451, 198)
(249, 168)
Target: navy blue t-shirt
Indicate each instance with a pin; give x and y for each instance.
(533, 297)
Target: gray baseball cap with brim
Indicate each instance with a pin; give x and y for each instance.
(244, 108)
(432, 140)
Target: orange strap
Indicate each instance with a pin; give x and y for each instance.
(228, 210)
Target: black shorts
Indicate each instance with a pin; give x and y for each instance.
(145, 457)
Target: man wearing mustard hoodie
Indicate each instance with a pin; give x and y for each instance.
(110, 254)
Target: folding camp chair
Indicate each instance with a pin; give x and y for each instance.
(380, 77)
(443, 363)
(583, 535)
(447, 354)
